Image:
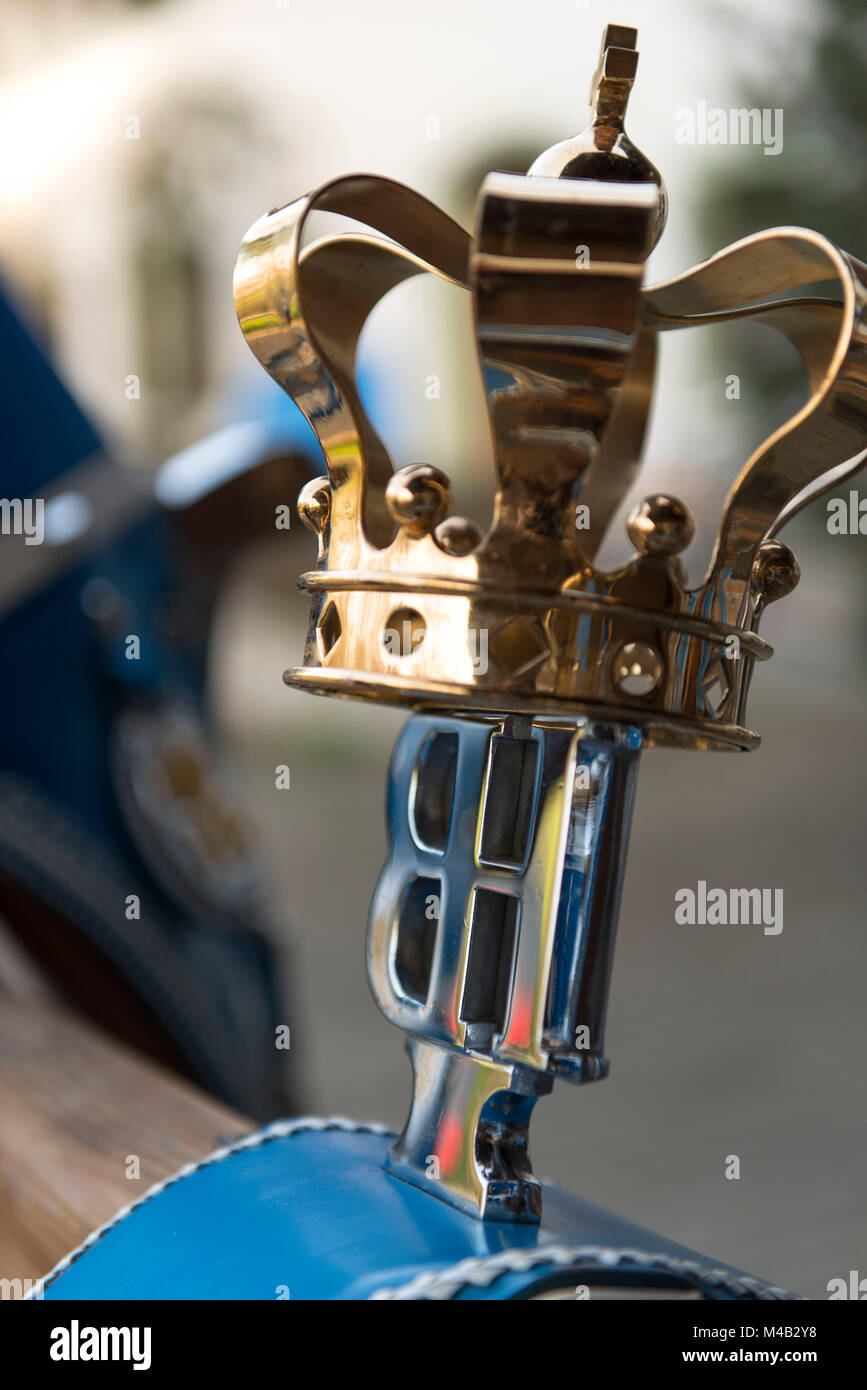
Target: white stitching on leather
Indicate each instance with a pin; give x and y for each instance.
(279, 1129)
(479, 1272)
(482, 1271)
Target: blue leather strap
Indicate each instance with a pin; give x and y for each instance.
(305, 1210)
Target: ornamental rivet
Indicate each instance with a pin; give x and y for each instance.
(636, 669)
(660, 525)
(418, 498)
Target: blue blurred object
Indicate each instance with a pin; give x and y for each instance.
(124, 869)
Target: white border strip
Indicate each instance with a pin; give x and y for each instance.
(482, 1271)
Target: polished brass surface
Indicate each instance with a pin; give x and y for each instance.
(567, 338)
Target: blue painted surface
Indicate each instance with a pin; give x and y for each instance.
(316, 1213)
(65, 685)
(57, 703)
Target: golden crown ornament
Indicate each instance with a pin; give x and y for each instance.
(536, 678)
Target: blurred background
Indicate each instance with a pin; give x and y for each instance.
(139, 141)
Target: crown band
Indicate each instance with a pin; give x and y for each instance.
(328, 581)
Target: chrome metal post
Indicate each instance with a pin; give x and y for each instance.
(491, 935)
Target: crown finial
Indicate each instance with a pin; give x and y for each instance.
(603, 151)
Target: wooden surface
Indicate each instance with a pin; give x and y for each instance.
(74, 1106)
